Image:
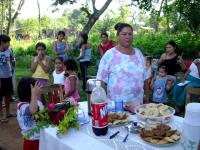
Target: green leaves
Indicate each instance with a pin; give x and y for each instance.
(69, 120)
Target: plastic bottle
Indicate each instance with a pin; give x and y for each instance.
(99, 110)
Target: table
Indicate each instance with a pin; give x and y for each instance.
(84, 139)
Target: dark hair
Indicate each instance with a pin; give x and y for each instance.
(119, 26)
(59, 58)
(84, 36)
(71, 65)
(172, 43)
(104, 33)
(4, 38)
(40, 44)
(24, 88)
(61, 33)
(161, 67)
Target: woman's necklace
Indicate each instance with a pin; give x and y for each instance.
(128, 51)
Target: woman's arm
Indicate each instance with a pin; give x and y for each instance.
(197, 63)
(182, 64)
(100, 51)
(34, 64)
(72, 86)
(55, 48)
(35, 91)
(152, 82)
(84, 46)
(162, 58)
(45, 67)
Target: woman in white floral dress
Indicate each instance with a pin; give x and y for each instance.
(122, 69)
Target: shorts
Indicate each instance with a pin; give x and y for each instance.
(6, 87)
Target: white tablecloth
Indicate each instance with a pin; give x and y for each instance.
(84, 139)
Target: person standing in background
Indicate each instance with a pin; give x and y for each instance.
(84, 57)
(6, 85)
(40, 66)
(60, 46)
(105, 45)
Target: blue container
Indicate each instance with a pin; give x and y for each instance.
(119, 105)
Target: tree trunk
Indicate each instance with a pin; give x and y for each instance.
(39, 17)
(95, 16)
(11, 18)
(2, 17)
(157, 17)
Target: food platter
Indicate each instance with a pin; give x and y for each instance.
(161, 135)
(155, 113)
(116, 119)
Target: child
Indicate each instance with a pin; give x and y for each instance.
(161, 84)
(58, 74)
(60, 47)
(148, 77)
(71, 82)
(40, 66)
(6, 86)
(28, 90)
(58, 78)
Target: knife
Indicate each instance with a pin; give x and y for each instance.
(112, 136)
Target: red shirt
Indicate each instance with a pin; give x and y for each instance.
(106, 47)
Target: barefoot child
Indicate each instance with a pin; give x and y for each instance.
(28, 90)
(6, 86)
(71, 82)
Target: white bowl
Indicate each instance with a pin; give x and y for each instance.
(154, 120)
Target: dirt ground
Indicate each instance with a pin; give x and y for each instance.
(10, 136)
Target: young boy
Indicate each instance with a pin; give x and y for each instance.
(6, 86)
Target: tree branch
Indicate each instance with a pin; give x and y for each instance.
(93, 5)
(105, 6)
(21, 3)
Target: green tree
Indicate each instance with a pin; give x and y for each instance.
(92, 14)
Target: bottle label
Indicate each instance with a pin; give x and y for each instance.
(99, 115)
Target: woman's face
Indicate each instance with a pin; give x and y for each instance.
(40, 51)
(125, 37)
(80, 40)
(104, 39)
(170, 49)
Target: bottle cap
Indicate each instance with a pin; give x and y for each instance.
(98, 83)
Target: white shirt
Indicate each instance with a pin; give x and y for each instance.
(25, 119)
(59, 78)
(194, 71)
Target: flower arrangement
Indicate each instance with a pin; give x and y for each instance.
(62, 115)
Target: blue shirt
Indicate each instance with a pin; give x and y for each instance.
(61, 47)
(5, 64)
(87, 55)
(159, 91)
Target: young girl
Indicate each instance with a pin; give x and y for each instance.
(148, 77)
(40, 66)
(84, 57)
(71, 82)
(161, 84)
(58, 74)
(28, 90)
(58, 78)
(60, 46)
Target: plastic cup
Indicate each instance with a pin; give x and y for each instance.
(119, 105)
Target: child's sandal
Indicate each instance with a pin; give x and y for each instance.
(4, 120)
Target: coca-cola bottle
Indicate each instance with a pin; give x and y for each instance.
(99, 110)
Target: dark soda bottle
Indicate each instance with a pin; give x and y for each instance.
(99, 110)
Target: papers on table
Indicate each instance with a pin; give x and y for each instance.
(183, 83)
